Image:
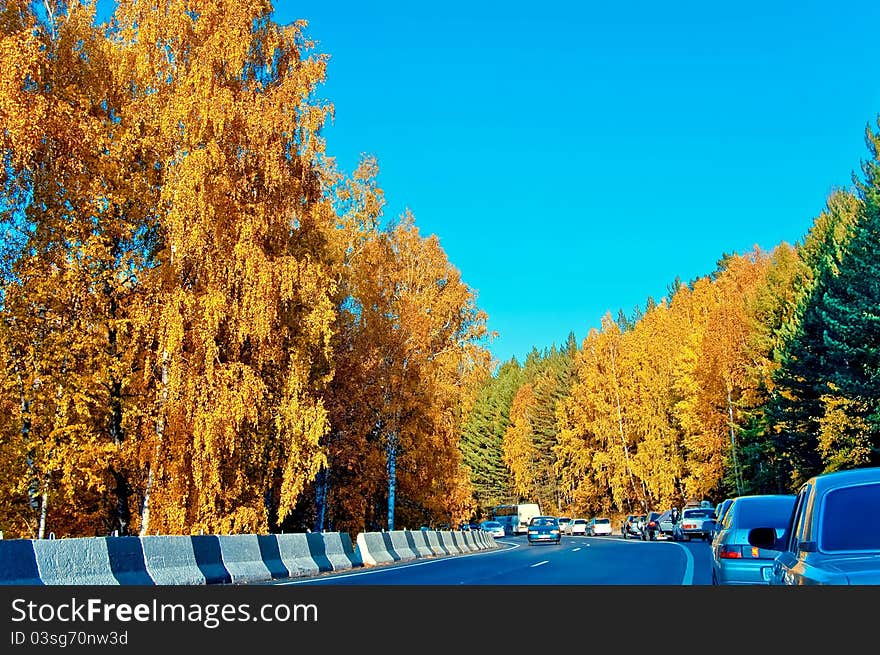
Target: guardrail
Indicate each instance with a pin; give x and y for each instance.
(218, 559)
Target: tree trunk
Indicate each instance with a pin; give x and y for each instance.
(41, 531)
(391, 450)
(322, 484)
(160, 430)
(632, 481)
(733, 443)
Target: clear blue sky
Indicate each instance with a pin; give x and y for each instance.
(575, 157)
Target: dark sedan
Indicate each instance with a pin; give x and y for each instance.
(544, 529)
(651, 526)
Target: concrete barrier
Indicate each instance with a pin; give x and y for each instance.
(448, 542)
(375, 548)
(18, 563)
(296, 554)
(462, 542)
(127, 563)
(434, 543)
(171, 560)
(271, 556)
(336, 551)
(209, 559)
(350, 551)
(243, 559)
(400, 541)
(78, 561)
(423, 548)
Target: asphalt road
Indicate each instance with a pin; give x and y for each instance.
(576, 560)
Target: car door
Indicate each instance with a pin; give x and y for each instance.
(787, 568)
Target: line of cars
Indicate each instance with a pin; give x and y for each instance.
(828, 533)
(552, 528)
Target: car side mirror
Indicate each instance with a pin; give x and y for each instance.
(763, 538)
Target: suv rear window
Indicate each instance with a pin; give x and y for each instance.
(603, 521)
(543, 520)
(697, 513)
(764, 512)
(844, 522)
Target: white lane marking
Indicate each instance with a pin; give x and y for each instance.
(688, 578)
(574, 550)
(546, 561)
(381, 568)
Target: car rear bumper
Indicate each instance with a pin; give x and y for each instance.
(543, 537)
(741, 571)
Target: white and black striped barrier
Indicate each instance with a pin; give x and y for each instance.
(218, 559)
(174, 559)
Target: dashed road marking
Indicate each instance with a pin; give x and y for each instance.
(574, 550)
(546, 561)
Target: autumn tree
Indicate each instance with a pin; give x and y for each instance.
(222, 100)
(76, 199)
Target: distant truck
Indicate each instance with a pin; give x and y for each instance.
(515, 518)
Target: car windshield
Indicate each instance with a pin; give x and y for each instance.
(697, 513)
(491, 524)
(543, 521)
(763, 512)
(580, 521)
(844, 522)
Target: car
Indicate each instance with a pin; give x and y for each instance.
(631, 526)
(720, 510)
(832, 537)
(494, 528)
(577, 526)
(665, 525)
(599, 526)
(734, 560)
(695, 522)
(563, 523)
(650, 526)
(543, 529)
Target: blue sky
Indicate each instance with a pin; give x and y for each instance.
(575, 157)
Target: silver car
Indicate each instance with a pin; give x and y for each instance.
(734, 559)
(833, 536)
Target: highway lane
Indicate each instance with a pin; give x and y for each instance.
(576, 560)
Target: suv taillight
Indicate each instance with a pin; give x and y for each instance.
(730, 552)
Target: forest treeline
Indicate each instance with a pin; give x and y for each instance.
(207, 327)
(748, 380)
